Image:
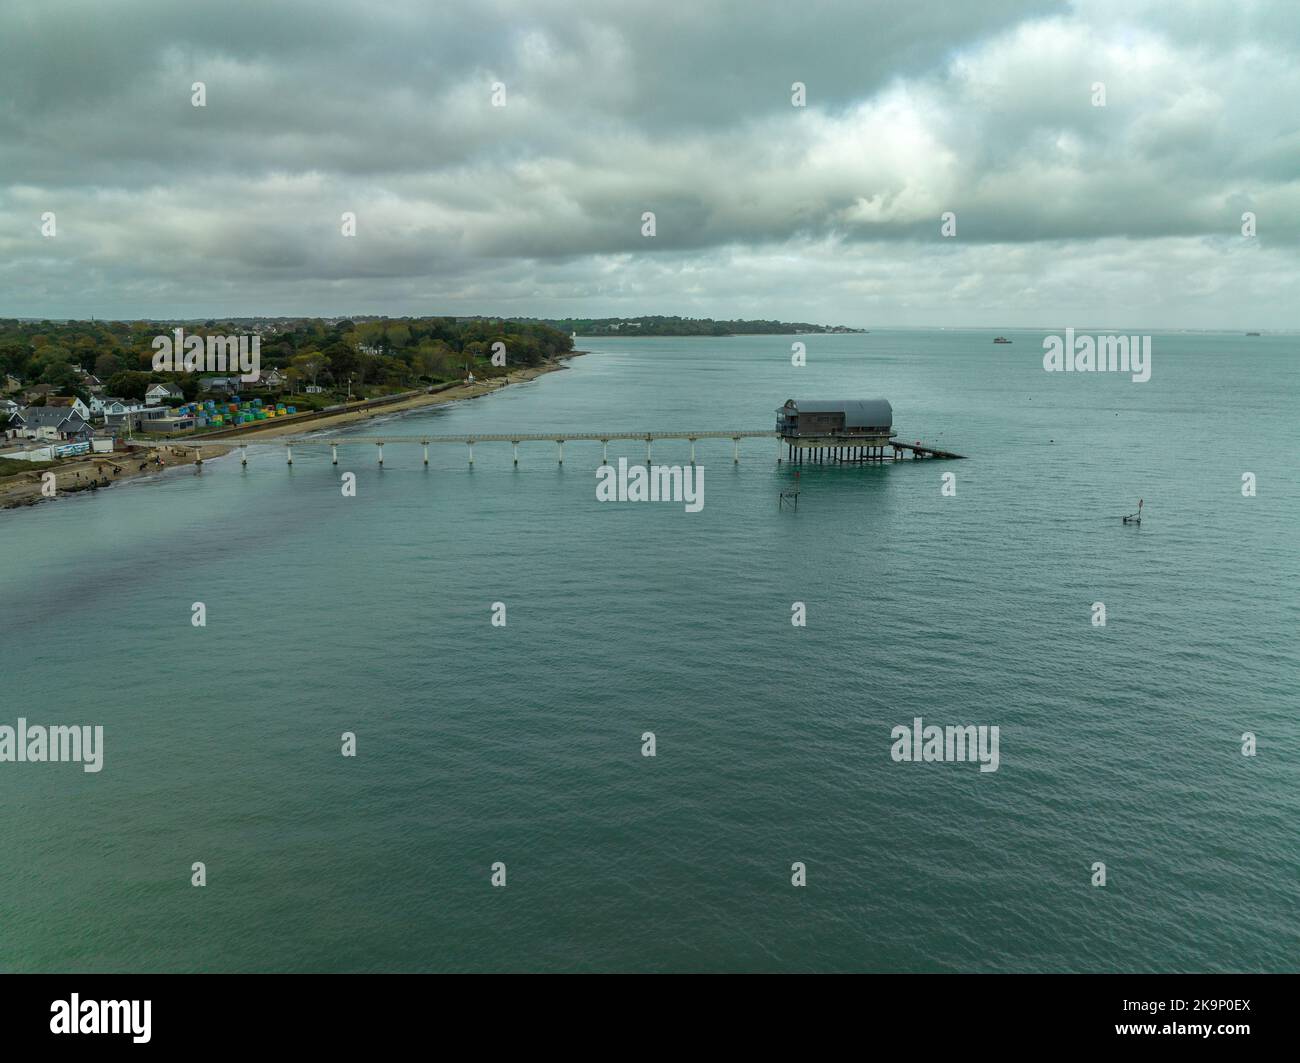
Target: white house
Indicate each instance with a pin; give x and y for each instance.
(51, 422)
(69, 402)
(116, 411)
(161, 393)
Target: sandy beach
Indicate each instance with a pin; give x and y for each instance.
(314, 422)
(97, 471)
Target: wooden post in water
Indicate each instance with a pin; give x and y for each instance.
(381, 453)
(334, 453)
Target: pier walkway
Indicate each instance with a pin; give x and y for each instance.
(514, 438)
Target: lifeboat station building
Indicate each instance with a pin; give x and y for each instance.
(838, 430)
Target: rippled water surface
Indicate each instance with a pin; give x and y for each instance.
(522, 744)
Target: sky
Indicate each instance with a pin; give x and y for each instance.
(499, 158)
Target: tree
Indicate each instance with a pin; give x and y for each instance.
(130, 385)
(107, 365)
(309, 365)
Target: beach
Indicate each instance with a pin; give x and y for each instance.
(97, 471)
(314, 422)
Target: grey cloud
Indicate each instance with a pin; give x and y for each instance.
(317, 108)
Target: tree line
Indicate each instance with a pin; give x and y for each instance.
(375, 353)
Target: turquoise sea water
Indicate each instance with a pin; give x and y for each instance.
(522, 744)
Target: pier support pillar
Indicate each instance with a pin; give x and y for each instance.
(735, 450)
(243, 455)
(515, 443)
(381, 453)
(334, 453)
(692, 452)
(288, 454)
(426, 453)
(647, 450)
(789, 450)
(561, 443)
(604, 451)
(470, 443)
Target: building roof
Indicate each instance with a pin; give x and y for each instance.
(49, 417)
(875, 412)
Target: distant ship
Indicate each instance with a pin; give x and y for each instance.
(1252, 333)
(1000, 339)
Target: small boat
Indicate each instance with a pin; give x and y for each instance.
(1135, 518)
(1000, 339)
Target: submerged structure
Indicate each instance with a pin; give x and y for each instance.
(844, 430)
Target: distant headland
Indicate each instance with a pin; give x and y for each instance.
(656, 325)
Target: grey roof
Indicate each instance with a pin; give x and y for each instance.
(856, 411)
(51, 417)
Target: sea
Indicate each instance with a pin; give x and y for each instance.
(1158, 752)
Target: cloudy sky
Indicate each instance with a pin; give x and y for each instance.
(1128, 214)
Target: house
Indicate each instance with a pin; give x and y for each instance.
(223, 384)
(12, 384)
(51, 422)
(92, 384)
(855, 421)
(36, 391)
(69, 402)
(313, 389)
(162, 393)
(116, 411)
(267, 378)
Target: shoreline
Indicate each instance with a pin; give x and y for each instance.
(95, 472)
(424, 400)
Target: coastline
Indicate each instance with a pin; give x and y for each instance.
(98, 471)
(309, 423)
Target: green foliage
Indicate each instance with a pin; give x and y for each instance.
(129, 385)
(376, 353)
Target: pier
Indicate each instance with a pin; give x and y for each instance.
(842, 449)
(842, 431)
